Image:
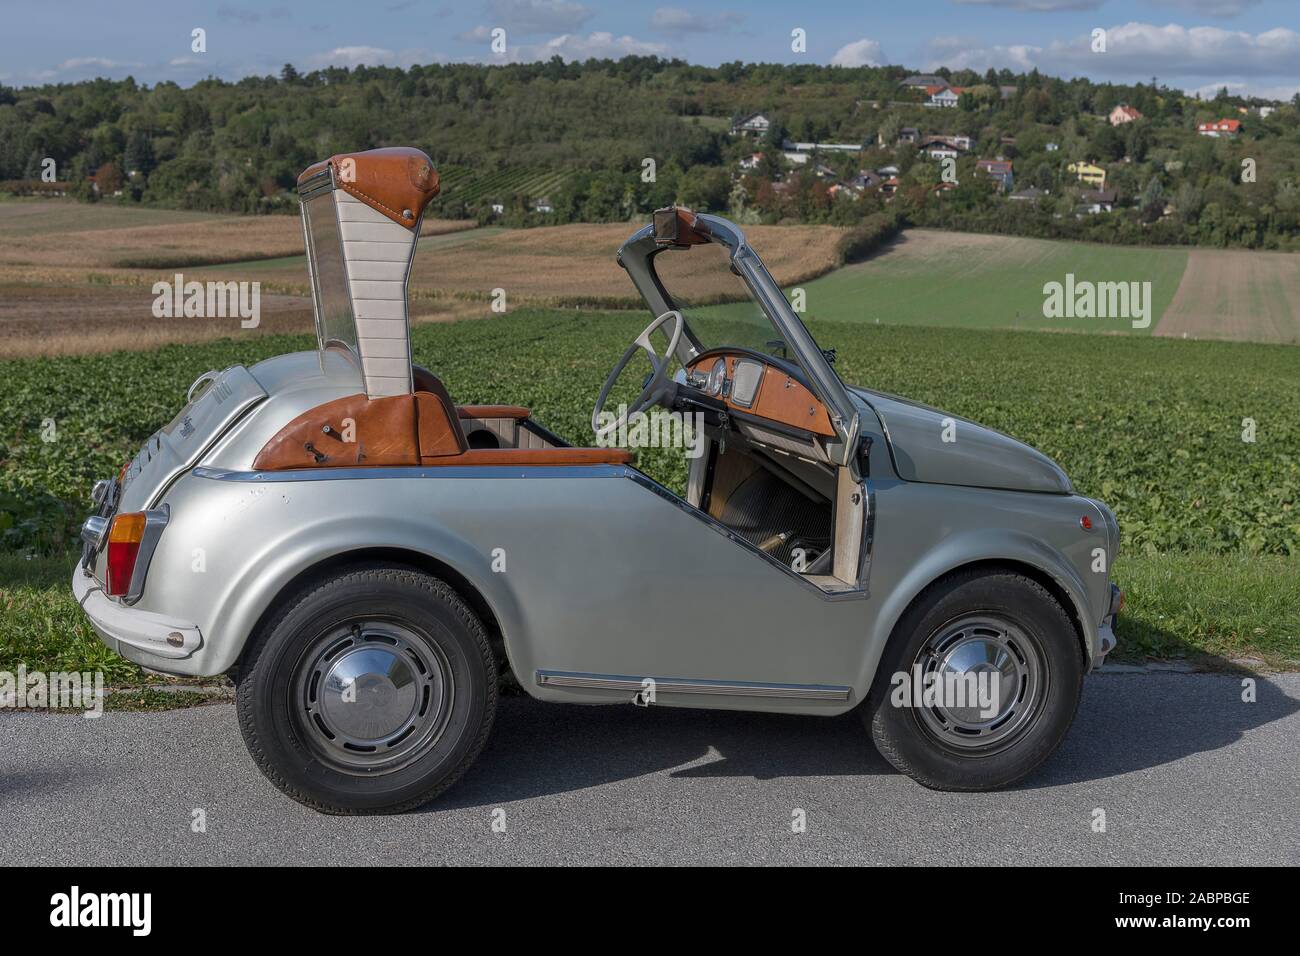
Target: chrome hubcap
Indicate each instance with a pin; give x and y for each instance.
(372, 696)
(990, 678)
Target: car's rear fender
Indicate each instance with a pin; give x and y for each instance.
(256, 541)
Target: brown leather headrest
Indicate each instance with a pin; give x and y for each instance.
(399, 181)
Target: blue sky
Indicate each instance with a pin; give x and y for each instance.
(1247, 45)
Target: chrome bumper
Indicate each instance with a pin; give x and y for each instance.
(122, 627)
(1106, 639)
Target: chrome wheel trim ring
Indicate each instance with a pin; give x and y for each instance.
(983, 644)
(370, 696)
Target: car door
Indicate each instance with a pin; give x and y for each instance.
(616, 577)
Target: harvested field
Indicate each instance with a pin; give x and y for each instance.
(41, 320)
(1236, 294)
(48, 235)
(574, 265)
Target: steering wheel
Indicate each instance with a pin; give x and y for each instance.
(654, 389)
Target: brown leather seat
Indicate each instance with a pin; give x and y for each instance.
(426, 381)
(436, 435)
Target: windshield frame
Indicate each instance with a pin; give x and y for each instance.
(637, 255)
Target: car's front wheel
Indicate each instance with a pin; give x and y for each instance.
(979, 683)
(369, 691)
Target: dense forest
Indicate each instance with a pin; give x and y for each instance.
(582, 131)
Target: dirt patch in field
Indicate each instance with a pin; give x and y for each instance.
(1236, 294)
(37, 320)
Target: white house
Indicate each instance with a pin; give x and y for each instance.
(946, 98)
(823, 147)
(755, 124)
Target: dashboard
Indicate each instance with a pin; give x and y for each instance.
(761, 386)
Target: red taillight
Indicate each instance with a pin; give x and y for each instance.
(1085, 523)
(124, 537)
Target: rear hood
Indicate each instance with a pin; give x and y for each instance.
(974, 456)
(177, 447)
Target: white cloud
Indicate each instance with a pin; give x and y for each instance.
(352, 56)
(95, 62)
(480, 34)
(597, 45)
(530, 17)
(1284, 91)
(862, 52)
(675, 21)
(963, 53)
(1175, 50)
(1137, 50)
(1037, 6)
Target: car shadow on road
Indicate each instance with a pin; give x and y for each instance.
(1126, 723)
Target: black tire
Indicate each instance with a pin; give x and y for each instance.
(908, 739)
(440, 637)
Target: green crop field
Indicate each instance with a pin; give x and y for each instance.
(1211, 557)
(469, 185)
(987, 282)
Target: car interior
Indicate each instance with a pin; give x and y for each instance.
(773, 474)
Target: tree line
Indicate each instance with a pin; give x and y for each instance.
(239, 146)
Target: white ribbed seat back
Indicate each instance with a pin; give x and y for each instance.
(377, 254)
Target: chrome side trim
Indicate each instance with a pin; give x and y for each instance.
(531, 471)
(417, 471)
(683, 685)
(155, 520)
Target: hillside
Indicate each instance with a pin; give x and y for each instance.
(508, 137)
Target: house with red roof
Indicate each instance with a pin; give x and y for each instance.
(1123, 114)
(1217, 128)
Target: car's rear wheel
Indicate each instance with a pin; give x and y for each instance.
(979, 683)
(370, 691)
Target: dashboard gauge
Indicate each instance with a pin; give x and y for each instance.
(717, 375)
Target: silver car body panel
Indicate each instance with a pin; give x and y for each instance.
(931, 445)
(603, 574)
(595, 572)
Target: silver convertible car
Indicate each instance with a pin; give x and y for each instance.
(371, 561)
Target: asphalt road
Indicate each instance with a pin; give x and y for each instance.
(1185, 771)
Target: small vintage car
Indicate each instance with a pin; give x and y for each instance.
(370, 560)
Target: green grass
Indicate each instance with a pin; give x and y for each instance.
(469, 185)
(1211, 554)
(42, 626)
(986, 284)
(1210, 609)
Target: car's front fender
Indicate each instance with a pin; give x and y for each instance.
(925, 532)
